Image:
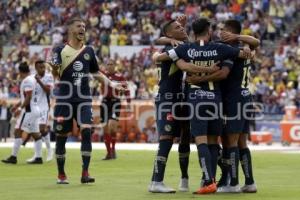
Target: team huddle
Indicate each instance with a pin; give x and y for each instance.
(203, 92)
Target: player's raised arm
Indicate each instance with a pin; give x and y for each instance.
(231, 37)
(168, 41)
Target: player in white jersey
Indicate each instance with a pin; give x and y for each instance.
(28, 120)
(42, 91)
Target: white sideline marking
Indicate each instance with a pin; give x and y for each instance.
(153, 147)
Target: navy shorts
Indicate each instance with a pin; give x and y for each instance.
(64, 114)
(110, 109)
(205, 112)
(237, 120)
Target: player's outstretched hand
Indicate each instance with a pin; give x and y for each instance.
(228, 37)
(118, 86)
(182, 19)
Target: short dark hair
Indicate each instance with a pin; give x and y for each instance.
(24, 68)
(234, 26)
(201, 26)
(73, 20)
(166, 26)
(39, 62)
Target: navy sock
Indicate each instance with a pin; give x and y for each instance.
(184, 154)
(234, 165)
(214, 152)
(60, 151)
(161, 160)
(224, 165)
(205, 162)
(86, 148)
(245, 158)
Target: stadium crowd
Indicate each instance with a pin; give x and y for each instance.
(137, 22)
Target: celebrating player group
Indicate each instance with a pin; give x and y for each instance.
(203, 93)
(205, 84)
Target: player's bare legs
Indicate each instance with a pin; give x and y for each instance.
(246, 162)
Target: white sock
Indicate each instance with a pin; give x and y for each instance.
(38, 148)
(46, 139)
(17, 144)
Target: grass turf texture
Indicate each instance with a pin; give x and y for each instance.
(277, 176)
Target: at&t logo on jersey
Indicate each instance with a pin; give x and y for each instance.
(77, 74)
(78, 66)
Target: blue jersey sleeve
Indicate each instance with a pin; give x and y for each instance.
(179, 52)
(94, 63)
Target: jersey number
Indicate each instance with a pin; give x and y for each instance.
(246, 77)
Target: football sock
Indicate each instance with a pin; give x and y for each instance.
(60, 151)
(86, 148)
(205, 162)
(161, 159)
(245, 158)
(17, 144)
(184, 154)
(107, 141)
(234, 165)
(214, 151)
(38, 147)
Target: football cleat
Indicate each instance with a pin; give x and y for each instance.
(87, 179)
(107, 157)
(36, 161)
(113, 155)
(10, 160)
(249, 188)
(160, 187)
(183, 185)
(209, 189)
(30, 159)
(62, 179)
(229, 189)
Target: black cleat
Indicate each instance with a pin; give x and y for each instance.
(107, 157)
(36, 161)
(87, 179)
(10, 160)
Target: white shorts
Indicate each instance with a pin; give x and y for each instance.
(29, 121)
(44, 116)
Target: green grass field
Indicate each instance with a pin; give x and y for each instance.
(277, 176)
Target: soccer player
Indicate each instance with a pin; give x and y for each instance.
(236, 99)
(205, 96)
(170, 93)
(42, 91)
(110, 109)
(72, 63)
(28, 120)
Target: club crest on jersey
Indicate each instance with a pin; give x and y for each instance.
(59, 127)
(86, 56)
(78, 66)
(168, 128)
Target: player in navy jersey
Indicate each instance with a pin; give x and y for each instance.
(72, 63)
(236, 99)
(205, 96)
(170, 93)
